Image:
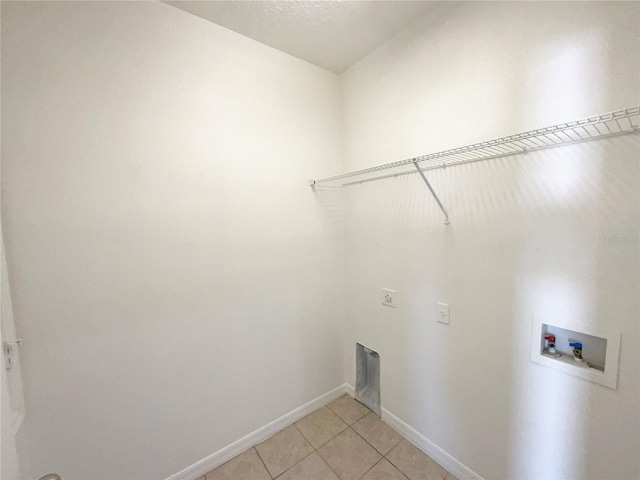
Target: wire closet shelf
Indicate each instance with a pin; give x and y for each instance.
(618, 122)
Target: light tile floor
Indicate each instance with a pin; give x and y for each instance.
(342, 441)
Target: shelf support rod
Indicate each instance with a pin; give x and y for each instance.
(446, 215)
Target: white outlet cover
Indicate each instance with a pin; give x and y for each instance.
(443, 313)
(389, 297)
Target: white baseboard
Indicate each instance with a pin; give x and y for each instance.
(449, 462)
(349, 390)
(453, 465)
(227, 453)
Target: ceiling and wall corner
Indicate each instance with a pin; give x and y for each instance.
(525, 240)
(174, 258)
(330, 34)
(168, 256)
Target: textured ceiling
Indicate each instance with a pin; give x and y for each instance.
(331, 34)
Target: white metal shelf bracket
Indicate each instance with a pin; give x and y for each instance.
(444, 210)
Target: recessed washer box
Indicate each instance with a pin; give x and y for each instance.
(600, 351)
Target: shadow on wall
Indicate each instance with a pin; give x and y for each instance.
(575, 197)
(575, 274)
(526, 239)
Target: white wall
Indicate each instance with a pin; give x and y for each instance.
(9, 466)
(176, 281)
(13, 408)
(525, 240)
(166, 258)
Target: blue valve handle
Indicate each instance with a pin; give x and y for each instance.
(577, 345)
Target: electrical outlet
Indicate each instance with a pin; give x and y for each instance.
(389, 297)
(443, 313)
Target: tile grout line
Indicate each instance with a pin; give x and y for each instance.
(370, 444)
(316, 449)
(297, 463)
(384, 456)
(307, 440)
(303, 458)
(350, 427)
(264, 464)
(370, 468)
(353, 430)
(394, 465)
(334, 437)
(402, 471)
(326, 463)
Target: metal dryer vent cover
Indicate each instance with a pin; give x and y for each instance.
(368, 377)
